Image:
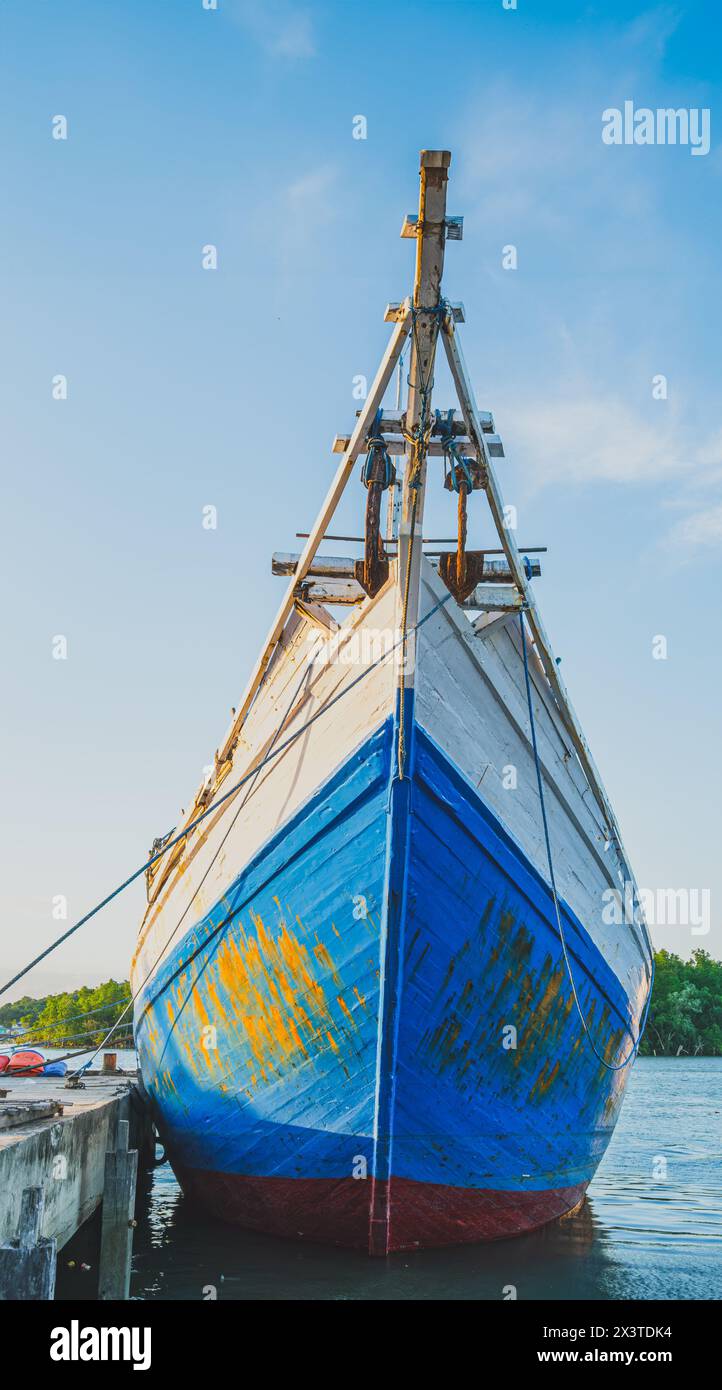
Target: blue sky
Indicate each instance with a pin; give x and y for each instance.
(186, 387)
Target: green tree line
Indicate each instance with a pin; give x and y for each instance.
(685, 1015)
(77, 1019)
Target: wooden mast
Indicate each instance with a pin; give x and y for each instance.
(430, 234)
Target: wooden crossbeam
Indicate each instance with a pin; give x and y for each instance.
(345, 591)
(323, 566)
(493, 598)
(344, 567)
(396, 444)
(497, 571)
(392, 422)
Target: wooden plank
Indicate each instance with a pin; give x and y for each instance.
(495, 571)
(344, 567)
(24, 1112)
(318, 615)
(332, 591)
(116, 1241)
(493, 597)
(73, 1144)
(396, 445)
(324, 566)
(489, 623)
(27, 1263)
(392, 422)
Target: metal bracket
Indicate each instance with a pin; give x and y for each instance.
(454, 227)
(394, 312)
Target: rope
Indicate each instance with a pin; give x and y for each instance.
(273, 753)
(617, 1066)
(458, 464)
(377, 454)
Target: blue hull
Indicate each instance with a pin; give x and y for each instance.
(372, 1038)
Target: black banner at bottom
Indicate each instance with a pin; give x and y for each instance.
(173, 1336)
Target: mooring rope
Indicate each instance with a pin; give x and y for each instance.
(183, 834)
(616, 1066)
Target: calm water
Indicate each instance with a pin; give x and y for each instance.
(641, 1235)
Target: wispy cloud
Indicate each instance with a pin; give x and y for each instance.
(281, 29)
(307, 195)
(583, 438)
(302, 210)
(652, 30)
(697, 531)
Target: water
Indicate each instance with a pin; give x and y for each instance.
(641, 1234)
(126, 1058)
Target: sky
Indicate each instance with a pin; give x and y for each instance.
(233, 126)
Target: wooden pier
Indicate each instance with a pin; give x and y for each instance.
(64, 1151)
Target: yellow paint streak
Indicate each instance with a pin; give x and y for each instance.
(199, 1005)
(266, 985)
(213, 994)
(321, 953)
(346, 1010)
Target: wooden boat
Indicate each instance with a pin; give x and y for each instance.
(378, 1002)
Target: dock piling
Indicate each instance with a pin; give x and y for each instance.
(116, 1243)
(27, 1263)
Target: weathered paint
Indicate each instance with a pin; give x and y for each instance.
(340, 1048)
